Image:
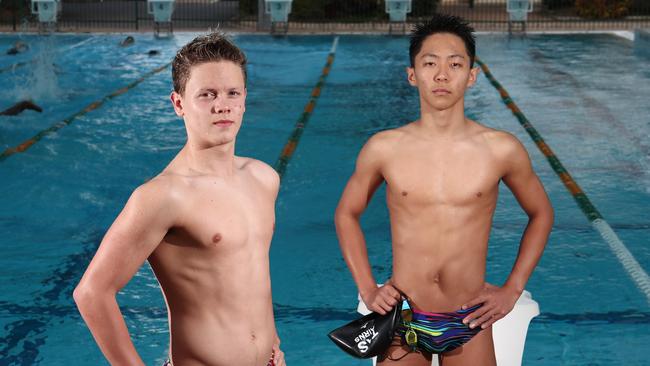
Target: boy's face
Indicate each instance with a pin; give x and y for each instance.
(442, 71)
(213, 103)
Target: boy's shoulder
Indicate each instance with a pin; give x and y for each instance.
(157, 193)
(503, 144)
(386, 138)
(494, 136)
(261, 171)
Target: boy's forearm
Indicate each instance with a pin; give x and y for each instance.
(531, 248)
(353, 247)
(106, 323)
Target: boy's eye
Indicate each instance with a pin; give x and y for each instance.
(235, 93)
(456, 65)
(207, 95)
(429, 63)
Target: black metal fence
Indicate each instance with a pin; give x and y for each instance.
(327, 15)
(122, 15)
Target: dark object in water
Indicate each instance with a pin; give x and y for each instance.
(129, 40)
(20, 107)
(18, 47)
(153, 53)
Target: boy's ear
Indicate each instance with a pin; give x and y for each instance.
(473, 75)
(245, 95)
(410, 75)
(177, 102)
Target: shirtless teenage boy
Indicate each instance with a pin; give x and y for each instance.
(204, 224)
(442, 174)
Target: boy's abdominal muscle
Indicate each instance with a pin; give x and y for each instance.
(226, 324)
(439, 277)
(232, 338)
(220, 305)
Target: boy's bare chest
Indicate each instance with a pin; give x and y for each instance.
(226, 217)
(442, 178)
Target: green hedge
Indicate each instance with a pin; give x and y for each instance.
(424, 8)
(603, 9)
(319, 10)
(600, 9)
(640, 7)
(247, 8)
(557, 4)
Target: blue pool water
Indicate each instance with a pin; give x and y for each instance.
(586, 94)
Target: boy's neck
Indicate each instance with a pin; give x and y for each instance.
(448, 122)
(215, 160)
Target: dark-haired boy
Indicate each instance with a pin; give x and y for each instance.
(442, 174)
(204, 224)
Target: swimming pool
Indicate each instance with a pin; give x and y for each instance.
(586, 95)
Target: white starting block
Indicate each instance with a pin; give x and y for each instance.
(162, 11)
(397, 10)
(47, 10)
(279, 11)
(508, 333)
(518, 12)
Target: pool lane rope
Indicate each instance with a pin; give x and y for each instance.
(89, 108)
(294, 138)
(630, 264)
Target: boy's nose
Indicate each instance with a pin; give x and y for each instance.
(221, 108)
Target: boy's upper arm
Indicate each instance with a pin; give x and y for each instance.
(268, 176)
(521, 179)
(367, 176)
(132, 237)
(272, 179)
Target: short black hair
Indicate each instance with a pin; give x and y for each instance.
(442, 23)
(211, 47)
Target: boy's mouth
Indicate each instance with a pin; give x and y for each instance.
(441, 91)
(223, 123)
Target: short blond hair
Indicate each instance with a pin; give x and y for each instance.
(211, 47)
